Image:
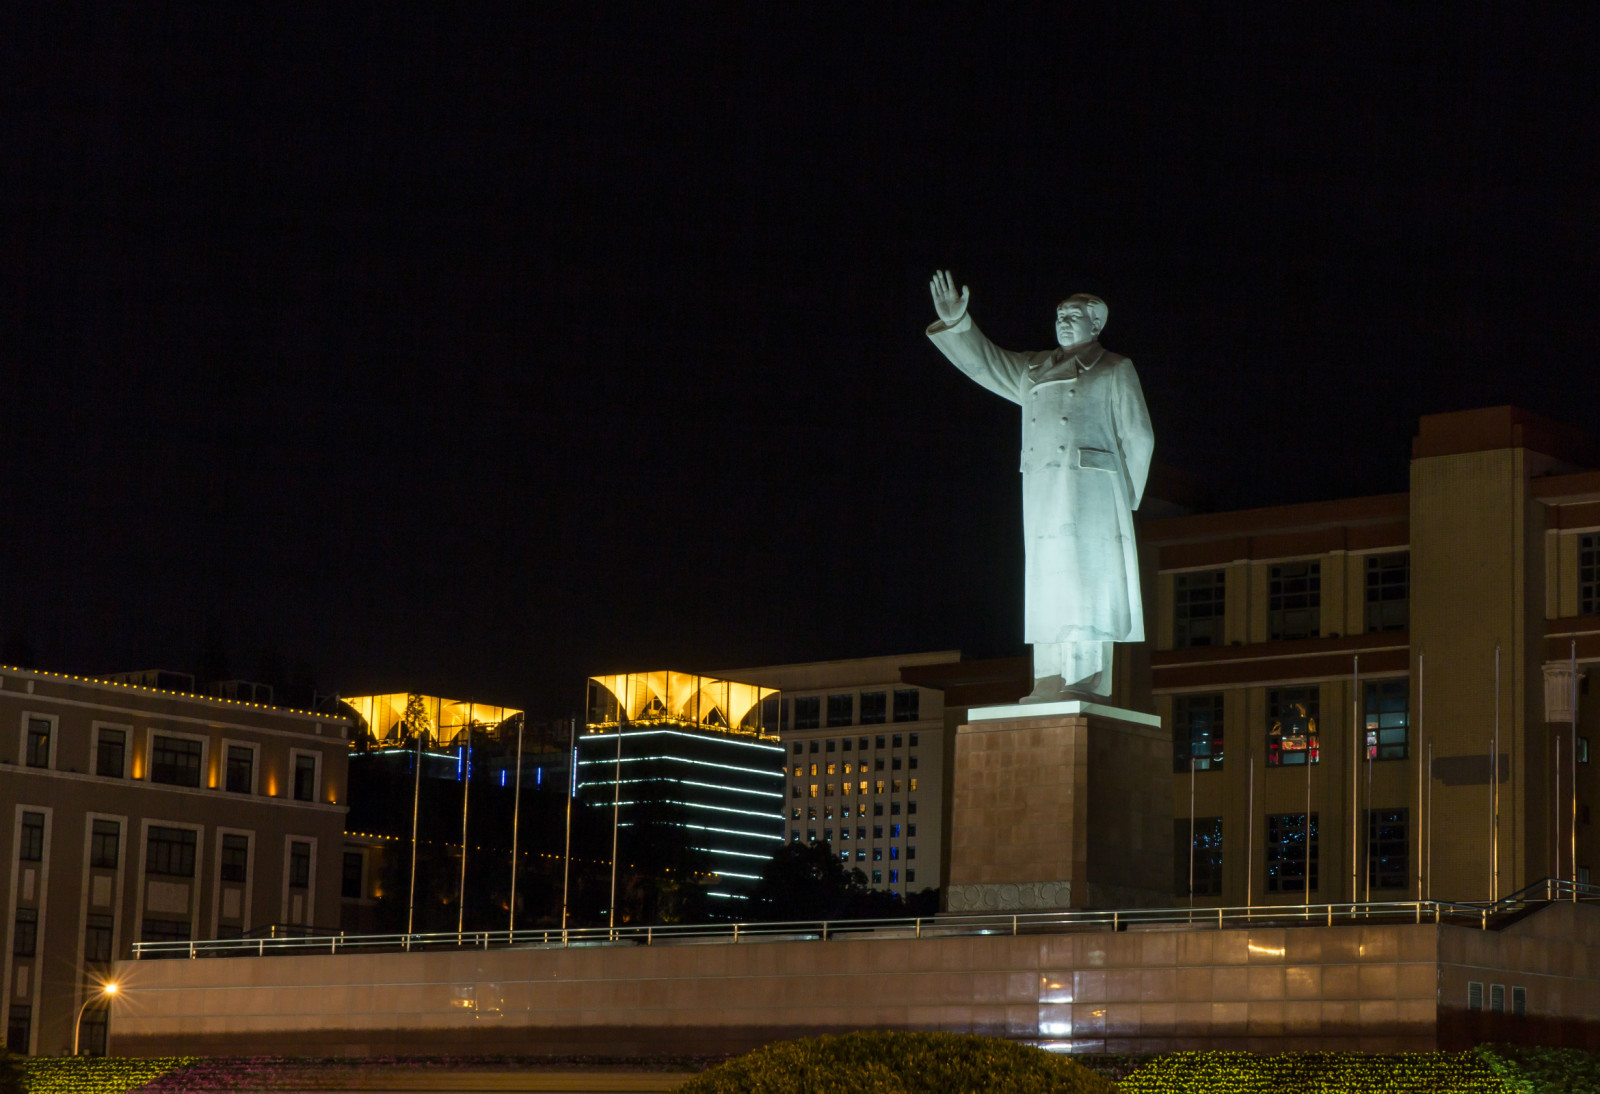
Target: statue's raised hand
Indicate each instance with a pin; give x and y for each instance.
(950, 305)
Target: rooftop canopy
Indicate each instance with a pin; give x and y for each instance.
(406, 715)
(683, 697)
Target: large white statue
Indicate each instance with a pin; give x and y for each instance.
(1086, 444)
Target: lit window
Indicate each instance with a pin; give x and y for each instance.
(814, 789)
(877, 877)
(1288, 860)
(913, 786)
(1197, 732)
(814, 770)
(1388, 719)
(880, 785)
(827, 834)
(844, 832)
(811, 834)
(894, 853)
(1292, 726)
(833, 769)
(1207, 847)
(1198, 602)
(894, 877)
(1294, 601)
(861, 854)
(828, 790)
(844, 856)
(894, 831)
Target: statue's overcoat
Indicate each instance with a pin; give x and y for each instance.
(1086, 444)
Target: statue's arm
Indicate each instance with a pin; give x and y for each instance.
(1135, 436)
(1000, 370)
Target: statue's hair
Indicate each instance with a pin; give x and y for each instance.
(1096, 306)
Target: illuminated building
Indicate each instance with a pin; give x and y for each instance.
(134, 812)
(1371, 655)
(867, 746)
(689, 753)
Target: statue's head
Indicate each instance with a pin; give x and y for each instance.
(1080, 318)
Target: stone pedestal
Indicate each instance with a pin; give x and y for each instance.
(1060, 805)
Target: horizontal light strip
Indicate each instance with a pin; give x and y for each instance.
(699, 805)
(683, 760)
(606, 734)
(740, 854)
(726, 896)
(725, 873)
(687, 782)
(727, 831)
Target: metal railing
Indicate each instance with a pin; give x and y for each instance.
(1479, 914)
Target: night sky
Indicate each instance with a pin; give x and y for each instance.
(478, 351)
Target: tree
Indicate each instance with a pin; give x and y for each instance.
(807, 881)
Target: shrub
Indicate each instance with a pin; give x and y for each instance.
(1317, 1073)
(898, 1063)
(10, 1073)
(1531, 1070)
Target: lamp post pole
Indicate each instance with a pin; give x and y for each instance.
(106, 992)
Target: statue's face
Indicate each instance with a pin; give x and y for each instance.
(1074, 323)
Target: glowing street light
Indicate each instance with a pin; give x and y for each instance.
(107, 990)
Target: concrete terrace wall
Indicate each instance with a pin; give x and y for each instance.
(1371, 988)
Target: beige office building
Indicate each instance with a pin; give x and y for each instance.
(1399, 667)
(866, 752)
(129, 813)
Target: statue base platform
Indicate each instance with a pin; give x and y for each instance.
(1059, 806)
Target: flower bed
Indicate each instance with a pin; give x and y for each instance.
(1319, 1073)
(95, 1074)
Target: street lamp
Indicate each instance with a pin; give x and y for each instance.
(106, 992)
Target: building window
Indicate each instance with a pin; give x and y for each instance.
(32, 849)
(1206, 840)
(1197, 609)
(25, 936)
(911, 829)
(1519, 1001)
(1388, 592)
(1287, 862)
(110, 757)
(164, 930)
(1583, 750)
(1589, 574)
(1497, 998)
(97, 937)
(241, 769)
(897, 739)
(299, 864)
(1388, 719)
(1294, 601)
(911, 875)
(37, 749)
(877, 877)
(844, 856)
(17, 1026)
(170, 851)
(897, 764)
(235, 863)
(830, 747)
(799, 748)
(1292, 726)
(808, 712)
(894, 831)
(175, 761)
(305, 777)
(1196, 732)
(894, 853)
(912, 738)
(911, 852)
(1387, 849)
(911, 807)
(873, 708)
(1474, 995)
(911, 761)
(105, 845)
(907, 704)
(841, 710)
(894, 876)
